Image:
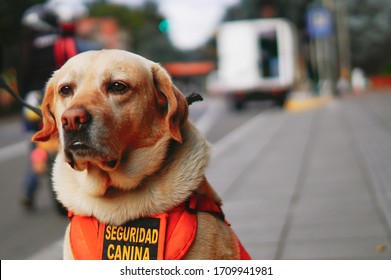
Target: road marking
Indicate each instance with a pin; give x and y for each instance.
(14, 150)
(240, 132)
(302, 103)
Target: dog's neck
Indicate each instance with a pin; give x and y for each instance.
(140, 167)
(152, 181)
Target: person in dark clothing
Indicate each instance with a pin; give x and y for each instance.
(268, 44)
(53, 42)
(38, 67)
(1, 57)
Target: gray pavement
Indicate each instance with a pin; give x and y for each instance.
(310, 185)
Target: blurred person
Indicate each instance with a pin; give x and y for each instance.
(268, 9)
(53, 42)
(39, 64)
(68, 13)
(268, 45)
(358, 81)
(343, 85)
(1, 57)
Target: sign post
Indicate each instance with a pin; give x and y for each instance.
(319, 22)
(320, 28)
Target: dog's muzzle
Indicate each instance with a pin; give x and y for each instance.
(75, 122)
(78, 145)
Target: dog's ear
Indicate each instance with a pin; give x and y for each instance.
(49, 123)
(170, 98)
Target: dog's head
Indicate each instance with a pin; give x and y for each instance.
(102, 105)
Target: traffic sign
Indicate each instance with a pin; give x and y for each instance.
(319, 22)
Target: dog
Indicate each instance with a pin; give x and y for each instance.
(131, 167)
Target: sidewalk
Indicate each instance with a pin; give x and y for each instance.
(309, 185)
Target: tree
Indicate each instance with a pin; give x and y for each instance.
(369, 25)
(142, 24)
(10, 19)
(11, 29)
(370, 34)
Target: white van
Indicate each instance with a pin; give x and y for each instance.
(255, 59)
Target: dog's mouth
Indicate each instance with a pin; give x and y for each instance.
(81, 154)
(79, 146)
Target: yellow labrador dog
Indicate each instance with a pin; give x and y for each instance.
(131, 165)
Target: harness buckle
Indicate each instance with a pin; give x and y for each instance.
(191, 204)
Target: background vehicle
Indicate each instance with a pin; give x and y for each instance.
(256, 59)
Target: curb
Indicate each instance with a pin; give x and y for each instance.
(305, 103)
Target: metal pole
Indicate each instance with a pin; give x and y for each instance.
(330, 51)
(343, 40)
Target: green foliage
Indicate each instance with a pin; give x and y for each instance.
(294, 10)
(386, 69)
(368, 21)
(142, 25)
(129, 19)
(370, 34)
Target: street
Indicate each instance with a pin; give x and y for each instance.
(296, 185)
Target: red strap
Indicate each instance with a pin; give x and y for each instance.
(182, 224)
(64, 49)
(244, 255)
(202, 203)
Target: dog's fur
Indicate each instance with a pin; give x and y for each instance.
(139, 155)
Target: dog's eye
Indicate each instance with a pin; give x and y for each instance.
(117, 87)
(66, 90)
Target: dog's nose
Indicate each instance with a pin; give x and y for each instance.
(75, 118)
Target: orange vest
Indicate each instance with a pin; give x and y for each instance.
(166, 236)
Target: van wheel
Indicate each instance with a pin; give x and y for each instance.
(239, 105)
(238, 101)
(280, 100)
